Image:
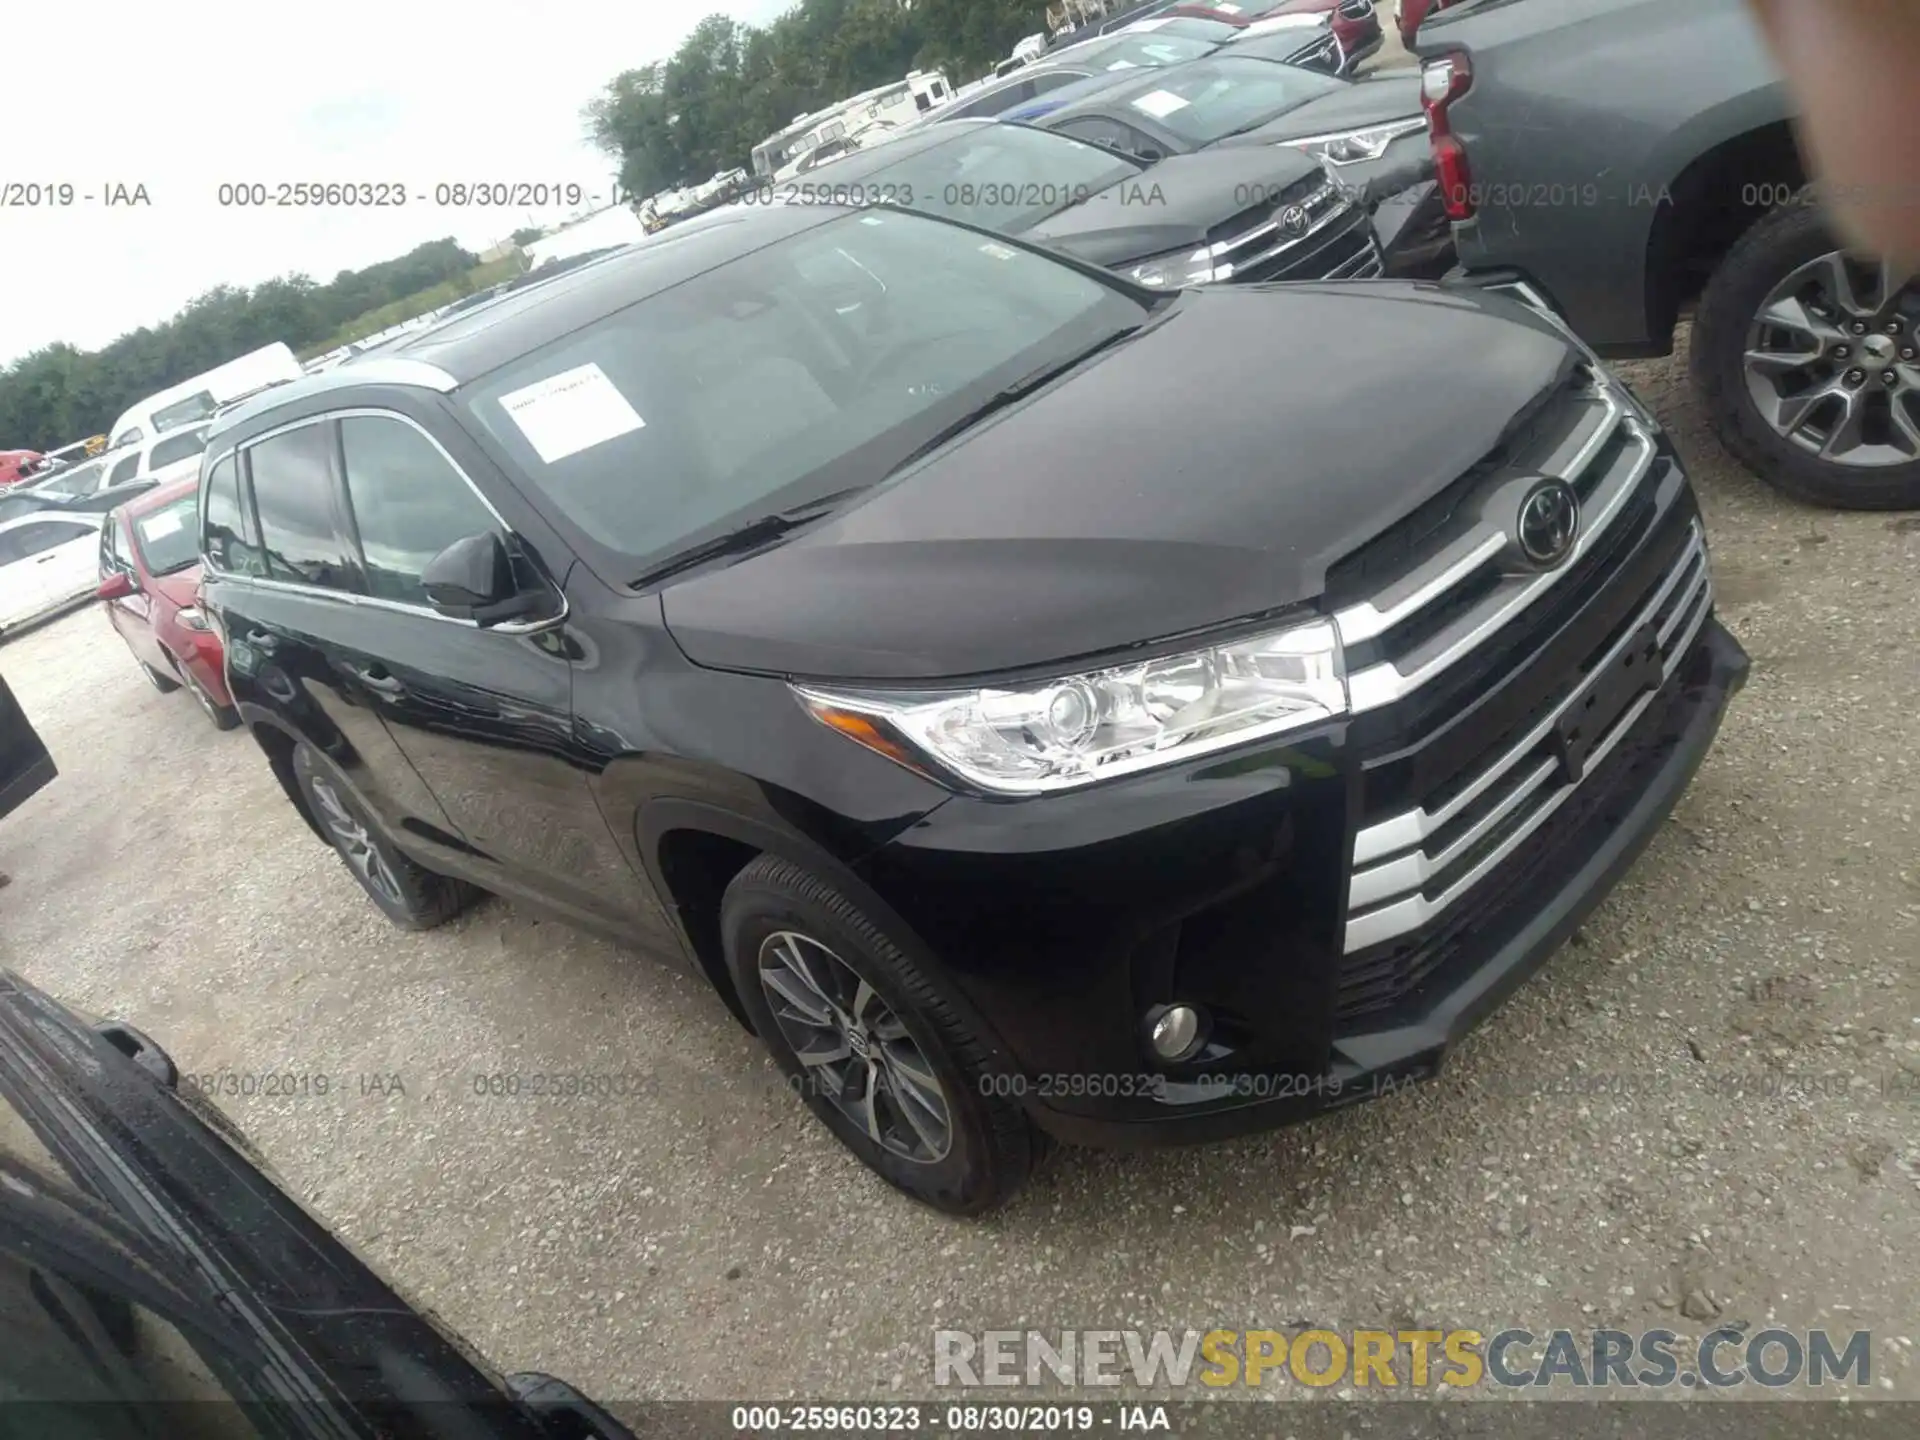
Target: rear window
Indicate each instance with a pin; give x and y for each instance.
(184, 412)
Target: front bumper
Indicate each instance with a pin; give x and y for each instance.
(1250, 883)
(1674, 740)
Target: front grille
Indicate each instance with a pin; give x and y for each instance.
(1323, 54)
(1453, 582)
(1332, 240)
(1411, 867)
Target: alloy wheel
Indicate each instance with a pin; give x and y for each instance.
(854, 1047)
(355, 844)
(1831, 363)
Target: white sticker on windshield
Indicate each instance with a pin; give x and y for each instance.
(570, 412)
(1123, 65)
(1160, 103)
(167, 522)
(1226, 8)
(998, 251)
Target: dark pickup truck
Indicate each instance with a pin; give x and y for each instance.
(1635, 160)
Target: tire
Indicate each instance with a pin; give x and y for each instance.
(777, 909)
(224, 717)
(411, 896)
(1764, 258)
(165, 684)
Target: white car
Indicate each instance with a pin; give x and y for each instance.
(47, 562)
(171, 456)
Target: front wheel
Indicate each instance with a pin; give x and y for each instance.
(224, 717)
(868, 1042)
(1805, 361)
(410, 895)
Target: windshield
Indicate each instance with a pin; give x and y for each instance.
(1126, 52)
(1193, 27)
(1210, 100)
(805, 367)
(1005, 177)
(80, 480)
(168, 539)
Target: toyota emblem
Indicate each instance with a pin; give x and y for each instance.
(1293, 220)
(1549, 522)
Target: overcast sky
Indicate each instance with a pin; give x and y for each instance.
(182, 97)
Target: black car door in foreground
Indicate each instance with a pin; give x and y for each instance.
(25, 765)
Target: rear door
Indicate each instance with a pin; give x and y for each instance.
(288, 596)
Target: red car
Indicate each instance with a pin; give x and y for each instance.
(150, 581)
(18, 465)
(1409, 14)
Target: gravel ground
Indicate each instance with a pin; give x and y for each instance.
(707, 1240)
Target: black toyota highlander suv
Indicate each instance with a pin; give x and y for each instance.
(1037, 703)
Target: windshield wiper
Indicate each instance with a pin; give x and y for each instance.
(1009, 394)
(743, 538)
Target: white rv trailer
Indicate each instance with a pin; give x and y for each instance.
(920, 92)
(194, 400)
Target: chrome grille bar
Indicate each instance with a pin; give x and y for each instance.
(1386, 896)
(1392, 679)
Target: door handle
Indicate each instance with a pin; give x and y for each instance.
(375, 677)
(45, 558)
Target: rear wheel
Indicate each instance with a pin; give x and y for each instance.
(1805, 360)
(869, 1043)
(410, 895)
(164, 683)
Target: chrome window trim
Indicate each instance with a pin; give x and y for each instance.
(1404, 875)
(376, 412)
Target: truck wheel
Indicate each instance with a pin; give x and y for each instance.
(867, 1041)
(1804, 358)
(410, 895)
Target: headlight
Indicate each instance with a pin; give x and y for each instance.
(1072, 731)
(1177, 272)
(1350, 147)
(191, 617)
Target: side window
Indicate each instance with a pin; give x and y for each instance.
(9, 546)
(293, 496)
(224, 532)
(177, 447)
(124, 469)
(409, 503)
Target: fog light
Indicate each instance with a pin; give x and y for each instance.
(1175, 1031)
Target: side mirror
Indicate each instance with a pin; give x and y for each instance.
(117, 586)
(472, 579)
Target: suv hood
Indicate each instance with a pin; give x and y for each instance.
(1211, 469)
(1174, 204)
